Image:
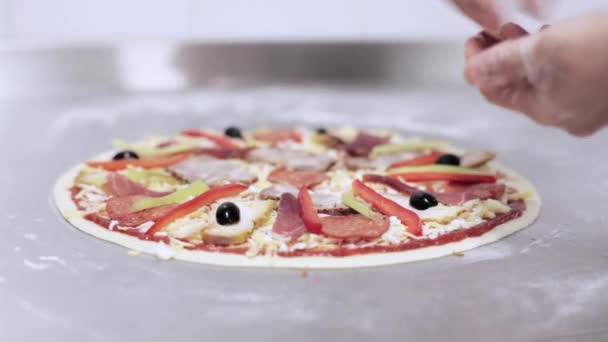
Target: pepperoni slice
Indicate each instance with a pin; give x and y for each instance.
(364, 143)
(277, 135)
(98, 219)
(118, 209)
(119, 185)
(297, 178)
(354, 226)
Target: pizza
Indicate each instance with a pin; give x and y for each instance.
(295, 197)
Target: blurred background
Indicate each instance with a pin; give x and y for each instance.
(74, 74)
(87, 21)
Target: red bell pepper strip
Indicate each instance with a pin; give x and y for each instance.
(389, 207)
(146, 163)
(308, 212)
(194, 204)
(219, 140)
(277, 135)
(445, 176)
(425, 159)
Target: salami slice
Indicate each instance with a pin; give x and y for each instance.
(224, 152)
(364, 143)
(119, 186)
(297, 178)
(354, 226)
(289, 223)
(118, 209)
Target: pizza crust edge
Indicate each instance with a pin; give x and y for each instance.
(68, 210)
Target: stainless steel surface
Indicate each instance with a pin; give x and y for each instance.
(546, 283)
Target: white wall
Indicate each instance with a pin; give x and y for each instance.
(122, 20)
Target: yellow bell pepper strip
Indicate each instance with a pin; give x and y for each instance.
(349, 200)
(179, 196)
(406, 147)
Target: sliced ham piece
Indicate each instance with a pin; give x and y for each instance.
(211, 170)
(276, 190)
(364, 143)
(118, 185)
(354, 226)
(118, 209)
(292, 159)
(297, 178)
(288, 222)
(453, 194)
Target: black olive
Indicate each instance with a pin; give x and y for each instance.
(448, 159)
(422, 200)
(125, 155)
(321, 130)
(233, 132)
(227, 213)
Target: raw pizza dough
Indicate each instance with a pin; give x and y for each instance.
(69, 211)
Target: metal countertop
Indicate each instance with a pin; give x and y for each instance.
(58, 107)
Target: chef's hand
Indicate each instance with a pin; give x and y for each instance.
(487, 13)
(557, 77)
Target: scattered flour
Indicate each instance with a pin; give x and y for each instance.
(35, 265)
(30, 236)
(52, 258)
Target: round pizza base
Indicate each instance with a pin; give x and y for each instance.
(69, 211)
